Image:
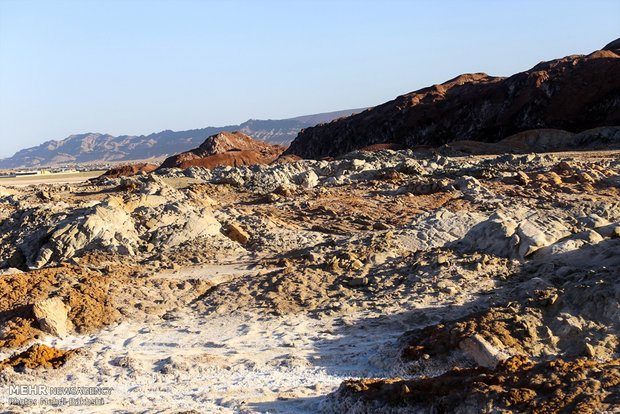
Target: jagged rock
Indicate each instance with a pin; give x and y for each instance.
(51, 314)
(106, 226)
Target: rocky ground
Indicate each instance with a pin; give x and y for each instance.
(383, 281)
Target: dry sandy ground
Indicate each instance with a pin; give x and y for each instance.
(50, 179)
(214, 362)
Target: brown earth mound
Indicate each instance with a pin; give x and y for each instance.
(516, 384)
(127, 170)
(573, 93)
(233, 149)
(286, 159)
(98, 292)
(38, 355)
(539, 140)
(386, 146)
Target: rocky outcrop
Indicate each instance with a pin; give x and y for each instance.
(106, 226)
(232, 149)
(151, 215)
(573, 93)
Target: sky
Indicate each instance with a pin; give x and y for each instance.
(134, 67)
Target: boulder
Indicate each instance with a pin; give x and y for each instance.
(51, 314)
(536, 233)
(307, 179)
(482, 352)
(494, 235)
(236, 233)
(514, 237)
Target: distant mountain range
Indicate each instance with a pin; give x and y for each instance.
(105, 148)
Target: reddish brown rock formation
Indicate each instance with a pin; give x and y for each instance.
(127, 170)
(573, 93)
(286, 159)
(233, 149)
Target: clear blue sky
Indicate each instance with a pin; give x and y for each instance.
(136, 67)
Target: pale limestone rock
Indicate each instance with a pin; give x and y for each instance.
(51, 314)
(495, 235)
(105, 225)
(482, 352)
(307, 179)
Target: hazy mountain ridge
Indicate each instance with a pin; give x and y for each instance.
(97, 147)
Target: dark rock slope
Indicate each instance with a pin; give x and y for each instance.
(573, 93)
